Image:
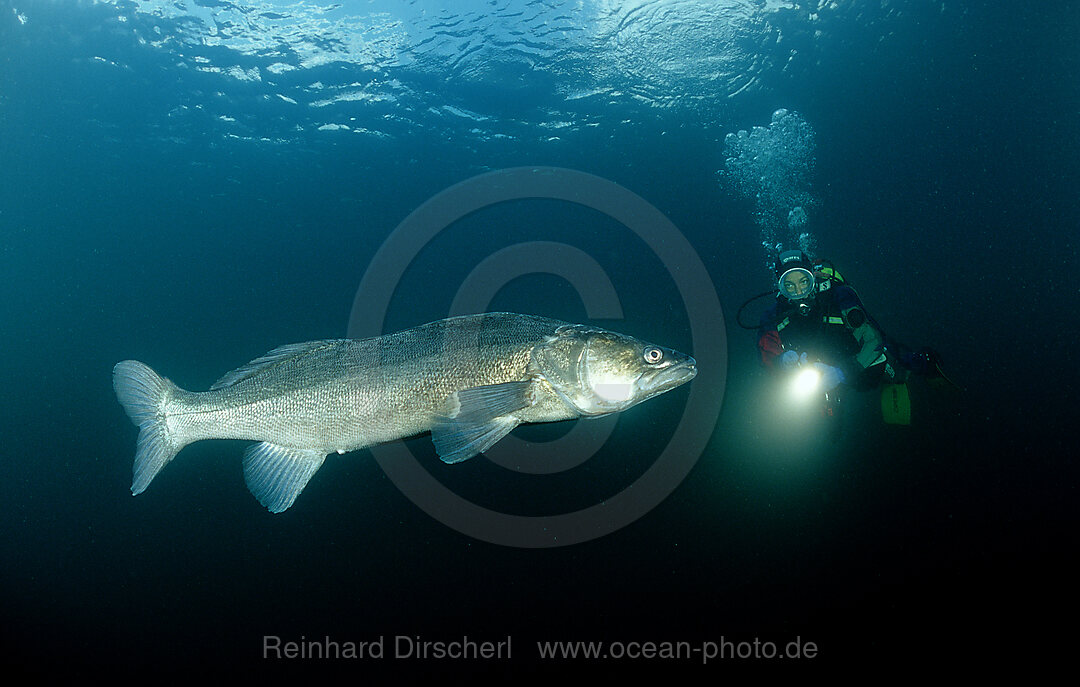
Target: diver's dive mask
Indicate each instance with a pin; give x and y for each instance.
(797, 284)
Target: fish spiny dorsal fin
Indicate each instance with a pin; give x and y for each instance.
(274, 357)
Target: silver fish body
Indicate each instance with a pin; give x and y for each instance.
(468, 380)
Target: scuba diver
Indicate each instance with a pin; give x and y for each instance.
(818, 333)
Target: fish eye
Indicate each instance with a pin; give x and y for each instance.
(653, 355)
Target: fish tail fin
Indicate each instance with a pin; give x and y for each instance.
(144, 394)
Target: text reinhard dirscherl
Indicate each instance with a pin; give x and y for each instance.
(398, 646)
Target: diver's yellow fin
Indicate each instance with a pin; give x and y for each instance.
(895, 404)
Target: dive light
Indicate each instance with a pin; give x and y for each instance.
(805, 382)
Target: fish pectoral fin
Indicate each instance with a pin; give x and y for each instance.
(457, 440)
(485, 403)
(474, 419)
(276, 475)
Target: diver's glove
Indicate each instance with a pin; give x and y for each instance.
(790, 360)
(831, 377)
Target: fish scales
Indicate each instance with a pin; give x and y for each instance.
(347, 394)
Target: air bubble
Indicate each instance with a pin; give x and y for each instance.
(772, 166)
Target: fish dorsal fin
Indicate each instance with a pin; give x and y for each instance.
(272, 358)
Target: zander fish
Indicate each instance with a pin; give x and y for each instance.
(468, 380)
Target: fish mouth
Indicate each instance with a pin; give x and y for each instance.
(668, 378)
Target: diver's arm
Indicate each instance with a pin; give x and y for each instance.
(870, 359)
(769, 344)
(868, 363)
(770, 347)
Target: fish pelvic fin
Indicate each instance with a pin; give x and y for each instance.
(458, 441)
(144, 394)
(276, 475)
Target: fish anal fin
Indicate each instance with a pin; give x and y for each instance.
(276, 475)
